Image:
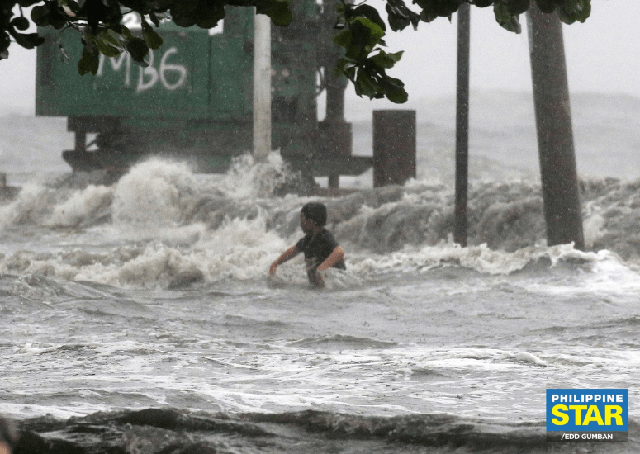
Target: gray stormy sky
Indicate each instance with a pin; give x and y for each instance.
(603, 55)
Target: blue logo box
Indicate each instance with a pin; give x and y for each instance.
(587, 410)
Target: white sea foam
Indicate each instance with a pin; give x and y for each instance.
(247, 179)
(479, 258)
(160, 220)
(244, 249)
(530, 357)
(30, 199)
(154, 193)
(157, 263)
(66, 411)
(82, 205)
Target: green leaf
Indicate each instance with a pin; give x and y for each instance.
(373, 31)
(108, 44)
(360, 38)
(28, 41)
(400, 16)
(517, 7)
(39, 14)
(398, 97)
(370, 13)
(385, 60)
(20, 23)
(577, 10)
(344, 67)
(546, 6)
(138, 50)
(184, 13)
(394, 90)
(277, 10)
(112, 38)
(365, 85)
(126, 33)
(342, 38)
(89, 62)
(432, 9)
(151, 37)
(210, 15)
(5, 42)
(154, 19)
(505, 17)
(48, 14)
(512, 25)
(350, 72)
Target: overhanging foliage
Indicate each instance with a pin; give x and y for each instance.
(361, 29)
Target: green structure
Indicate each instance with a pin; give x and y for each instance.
(194, 101)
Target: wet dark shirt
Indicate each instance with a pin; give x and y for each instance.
(318, 247)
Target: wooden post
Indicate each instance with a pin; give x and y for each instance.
(555, 138)
(462, 124)
(394, 146)
(261, 88)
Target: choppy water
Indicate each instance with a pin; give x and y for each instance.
(151, 292)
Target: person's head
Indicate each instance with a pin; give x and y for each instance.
(312, 215)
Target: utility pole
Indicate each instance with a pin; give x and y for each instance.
(555, 138)
(462, 124)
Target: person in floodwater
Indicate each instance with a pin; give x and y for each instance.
(321, 251)
(8, 436)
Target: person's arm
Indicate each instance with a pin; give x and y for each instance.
(334, 257)
(286, 255)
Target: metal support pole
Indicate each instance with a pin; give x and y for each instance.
(261, 88)
(80, 140)
(334, 112)
(462, 125)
